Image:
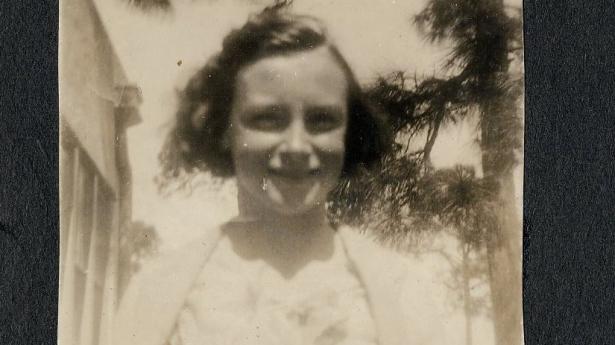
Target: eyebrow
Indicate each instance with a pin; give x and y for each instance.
(334, 109)
(257, 109)
(277, 108)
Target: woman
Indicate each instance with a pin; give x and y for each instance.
(279, 109)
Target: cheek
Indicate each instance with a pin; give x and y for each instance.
(332, 148)
(251, 153)
(249, 143)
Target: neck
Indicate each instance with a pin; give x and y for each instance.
(286, 242)
(254, 211)
(302, 229)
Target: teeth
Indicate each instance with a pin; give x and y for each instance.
(295, 173)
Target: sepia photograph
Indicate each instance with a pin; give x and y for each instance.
(279, 172)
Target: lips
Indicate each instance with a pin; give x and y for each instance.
(295, 174)
(294, 188)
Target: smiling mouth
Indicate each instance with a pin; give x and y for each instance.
(294, 174)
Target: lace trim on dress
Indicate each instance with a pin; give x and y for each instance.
(241, 307)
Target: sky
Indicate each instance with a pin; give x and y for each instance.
(159, 52)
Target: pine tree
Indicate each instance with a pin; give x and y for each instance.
(485, 38)
(484, 67)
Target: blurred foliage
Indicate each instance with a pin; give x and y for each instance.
(468, 277)
(138, 242)
(404, 197)
(486, 59)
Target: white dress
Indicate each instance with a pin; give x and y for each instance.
(237, 301)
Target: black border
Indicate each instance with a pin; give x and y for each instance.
(28, 172)
(569, 199)
(569, 209)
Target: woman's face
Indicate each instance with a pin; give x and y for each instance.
(288, 125)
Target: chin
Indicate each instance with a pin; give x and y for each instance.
(294, 207)
(297, 202)
(286, 199)
(292, 210)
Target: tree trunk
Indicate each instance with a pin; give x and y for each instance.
(504, 258)
(467, 308)
(504, 241)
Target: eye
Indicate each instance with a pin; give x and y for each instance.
(267, 120)
(323, 120)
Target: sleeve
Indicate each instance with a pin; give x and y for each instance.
(124, 321)
(423, 301)
(129, 316)
(175, 338)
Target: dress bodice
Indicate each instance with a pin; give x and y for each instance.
(235, 300)
(160, 294)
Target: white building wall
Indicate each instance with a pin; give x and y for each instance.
(95, 109)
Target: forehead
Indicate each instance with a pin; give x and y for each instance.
(307, 76)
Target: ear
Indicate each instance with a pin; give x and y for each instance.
(198, 116)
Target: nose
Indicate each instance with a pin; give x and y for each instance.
(297, 139)
(297, 151)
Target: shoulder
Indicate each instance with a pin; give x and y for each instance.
(171, 263)
(366, 251)
(155, 295)
(410, 281)
(356, 239)
(417, 271)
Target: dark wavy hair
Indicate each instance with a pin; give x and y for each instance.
(195, 143)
